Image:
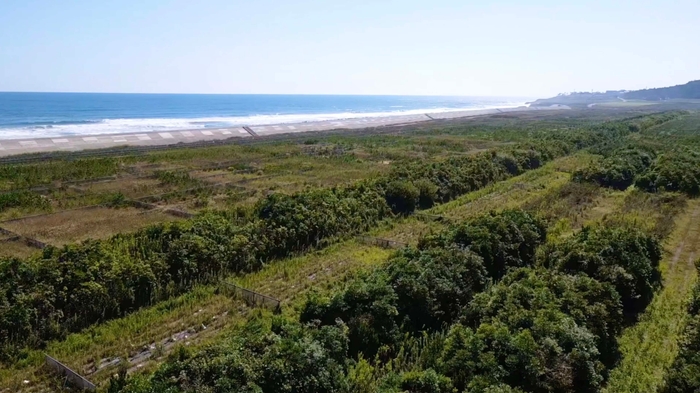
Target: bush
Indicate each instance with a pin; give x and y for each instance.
(504, 240)
(428, 193)
(554, 354)
(673, 171)
(617, 171)
(424, 289)
(517, 298)
(427, 381)
(402, 197)
(287, 358)
(23, 199)
(624, 257)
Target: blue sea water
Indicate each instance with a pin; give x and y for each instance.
(34, 115)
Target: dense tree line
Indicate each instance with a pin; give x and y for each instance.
(684, 374)
(650, 168)
(417, 184)
(676, 170)
(427, 288)
(433, 319)
(66, 289)
(618, 170)
(627, 259)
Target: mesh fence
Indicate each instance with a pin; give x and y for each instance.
(75, 379)
(383, 243)
(252, 298)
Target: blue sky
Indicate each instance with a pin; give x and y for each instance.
(438, 47)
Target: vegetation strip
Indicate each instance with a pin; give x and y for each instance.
(650, 347)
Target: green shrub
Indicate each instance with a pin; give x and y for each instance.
(624, 257)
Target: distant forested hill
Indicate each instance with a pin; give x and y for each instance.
(688, 90)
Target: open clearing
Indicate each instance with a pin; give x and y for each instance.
(78, 225)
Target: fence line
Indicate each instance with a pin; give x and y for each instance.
(383, 243)
(89, 207)
(71, 376)
(11, 239)
(179, 213)
(430, 217)
(252, 298)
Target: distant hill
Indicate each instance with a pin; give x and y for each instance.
(687, 91)
(690, 90)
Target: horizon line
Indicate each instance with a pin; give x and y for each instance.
(266, 94)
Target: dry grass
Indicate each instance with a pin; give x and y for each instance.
(131, 187)
(16, 248)
(78, 225)
(512, 193)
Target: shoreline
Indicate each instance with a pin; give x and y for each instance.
(115, 126)
(11, 147)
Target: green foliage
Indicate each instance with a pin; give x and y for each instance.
(553, 354)
(517, 298)
(504, 240)
(427, 381)
(428, 288)
(677, 170)
(182, 179)
(32, 175)
(284, 358)
(67, 289)
(617, 171)
(427, 193)
(117, 200)
(453, 177)
(402, 196)
(22, 199)
(624, 257)
(684, 374)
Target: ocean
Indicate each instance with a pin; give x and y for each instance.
(37, 115)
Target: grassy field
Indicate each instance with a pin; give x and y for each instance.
(76, 201)
(651, 345)
(77, 225)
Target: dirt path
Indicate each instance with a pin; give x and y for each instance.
(650, 346)
(679, 250)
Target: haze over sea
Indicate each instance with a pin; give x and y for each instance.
(36, 115)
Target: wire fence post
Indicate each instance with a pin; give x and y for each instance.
(252, 298)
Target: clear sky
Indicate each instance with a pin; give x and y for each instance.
(437, 47)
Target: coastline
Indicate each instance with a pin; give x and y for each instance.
(10, 147)
(102, 121)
